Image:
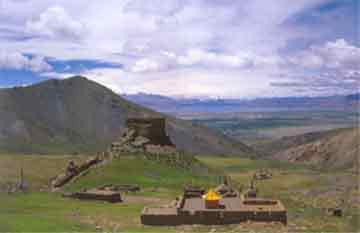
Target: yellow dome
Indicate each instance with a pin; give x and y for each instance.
(211, 195)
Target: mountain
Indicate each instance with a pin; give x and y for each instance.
(167, 104)
(78, 115)
(334, 149)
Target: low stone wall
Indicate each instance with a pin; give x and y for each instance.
(111, 197)
(213, 217)
(235, 210)
(164, 220)
(254, 201)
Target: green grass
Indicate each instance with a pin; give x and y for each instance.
(50, 212)
(235, 164)
(38, 212)
(147, 174)
(290, 184)
(38, 169)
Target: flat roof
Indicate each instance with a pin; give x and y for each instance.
(232, 204)
(160, 211)
(100, 192)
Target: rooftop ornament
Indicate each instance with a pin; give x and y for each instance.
(212, 199)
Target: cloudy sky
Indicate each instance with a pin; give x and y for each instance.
(185, 48)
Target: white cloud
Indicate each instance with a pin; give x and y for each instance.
(307, 59)
(55, 22)
(184, 82)
(145, 65)
(211, 59)
(339, 54)
(197, 56)
(13, 60)
(331, 55)
(55, 75)
(18, 61)
(209, 47)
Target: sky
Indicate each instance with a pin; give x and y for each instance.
(185, 48)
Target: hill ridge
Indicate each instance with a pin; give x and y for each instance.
(337, 148)
(79, 115)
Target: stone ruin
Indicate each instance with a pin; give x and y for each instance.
(144, 135)
(262, 174)
(251, 192)
(191, 191)
(96, 194)
(147, 137)
(151, 128)
(192, 208)
(225, 190)
(72, 170)
(127, 188)
(336, 211)
(109, 192)
(15, 187)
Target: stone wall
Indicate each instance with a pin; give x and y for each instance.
(212, 217)
(235, 211)
(151, 128)
(99, 195)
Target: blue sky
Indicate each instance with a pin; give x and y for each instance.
(183, 48)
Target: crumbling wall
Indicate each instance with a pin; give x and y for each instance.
(144, 135)
(150, 128)
(72, 170)
(108, 196)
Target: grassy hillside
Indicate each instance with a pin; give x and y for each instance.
(78, 115)
(148, 174)
(304, 191)
(272, 147)
(37, 169)
(335, 149)
(49, 212)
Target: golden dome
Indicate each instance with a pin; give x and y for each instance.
(211, 195)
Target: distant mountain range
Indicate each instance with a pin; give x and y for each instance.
(78, 115)
(168, 104)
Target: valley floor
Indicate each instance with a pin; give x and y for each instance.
(303, 190)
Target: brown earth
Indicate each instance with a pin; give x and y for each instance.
(337, 149)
